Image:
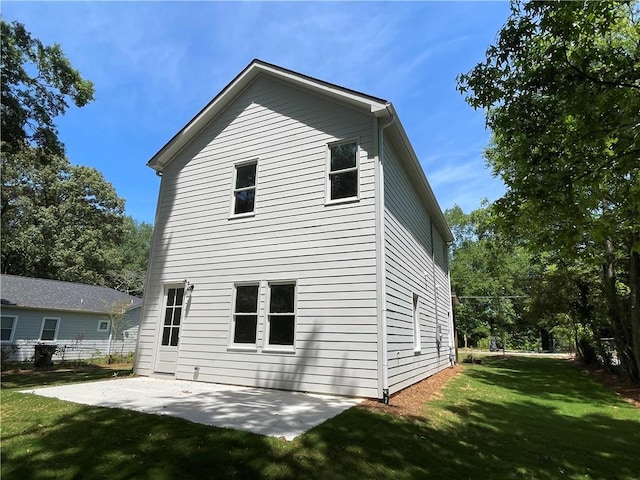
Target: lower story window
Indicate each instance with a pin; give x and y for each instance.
(7, 328)
(245, 314)
(282, 317)
(49, 328)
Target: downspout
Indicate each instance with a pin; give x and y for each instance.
(382, 269)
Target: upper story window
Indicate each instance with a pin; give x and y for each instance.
(103, 325)
(244, 188)
(343, 171)
(8, 327)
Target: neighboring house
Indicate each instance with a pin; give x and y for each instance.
(297, 245)
(82, 320)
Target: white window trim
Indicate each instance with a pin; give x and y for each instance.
(415, 319)
(232, 207)
(245, 347)
(55, 334)
(108, 322)
(267, 347)
(13, 328)
(356, 198)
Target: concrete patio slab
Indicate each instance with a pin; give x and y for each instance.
(267, 412)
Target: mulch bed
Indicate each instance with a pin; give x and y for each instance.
(409, 402)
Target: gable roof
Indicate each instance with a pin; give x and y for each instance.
(40, 293)
(377, 106)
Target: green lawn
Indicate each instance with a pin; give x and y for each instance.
(517, 418)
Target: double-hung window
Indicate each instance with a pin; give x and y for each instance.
(282, 316)
(244, 188)
(417, 340)
(7, 328)
(343, 171)
(245, 315)
(49, 328)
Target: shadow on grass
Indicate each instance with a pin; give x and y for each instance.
(543, 378)
(487, 439)
(61, 375)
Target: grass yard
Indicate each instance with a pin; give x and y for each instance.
(513, 418)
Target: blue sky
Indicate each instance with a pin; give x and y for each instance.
(156, 64)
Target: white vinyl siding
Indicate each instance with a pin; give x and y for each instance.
(329, 249)
(410, 270)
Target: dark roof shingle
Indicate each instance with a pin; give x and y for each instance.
(42, 293)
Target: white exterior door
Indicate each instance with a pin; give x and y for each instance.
(167, 356)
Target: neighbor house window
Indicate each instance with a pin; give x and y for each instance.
(245, 314)
(343, 171)
(172, 317)
(282, 316)
(244, 188)
(49, 328)
(8, 326)
(103, 326)
(417, 341)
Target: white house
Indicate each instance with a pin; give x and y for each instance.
(297, 245)
(76, 318)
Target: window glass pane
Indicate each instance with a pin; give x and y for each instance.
(174, 336)
(179, 295)
(50, 324)
(171, 295)
(282, 297)
(246, 175)
(6, 328)
(247, 299)
(176, 316)
(166, 332)
(344, 185)
(48, 335)
(343, 156)
(7, 322)
(168, 316)
(245, 329)
(244, 201)
(281, 329)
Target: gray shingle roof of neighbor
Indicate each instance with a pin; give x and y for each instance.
(27, 292)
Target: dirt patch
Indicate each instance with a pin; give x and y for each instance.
(409, 402)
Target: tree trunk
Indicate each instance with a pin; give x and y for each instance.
(634, 284)
(616, 314)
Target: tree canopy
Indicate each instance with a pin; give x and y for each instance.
(58, 220)
(561, 91)
(38, 82)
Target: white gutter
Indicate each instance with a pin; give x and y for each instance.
(382, 260)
